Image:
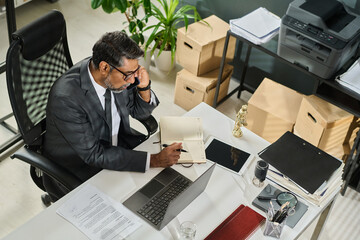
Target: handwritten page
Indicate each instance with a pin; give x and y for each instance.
(188, 131)
(98, 216)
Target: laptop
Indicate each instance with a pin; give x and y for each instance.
(166, 195)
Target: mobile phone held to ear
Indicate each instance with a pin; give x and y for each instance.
(131, 86)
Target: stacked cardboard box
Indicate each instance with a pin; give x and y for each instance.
(272, 110)
(190, 90)
(199, 50)
(324, 125)
(350, 138)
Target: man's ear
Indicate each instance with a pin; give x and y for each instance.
(104, 68)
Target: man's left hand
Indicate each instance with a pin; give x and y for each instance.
(143, 76)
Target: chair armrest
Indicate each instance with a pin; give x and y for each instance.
(53, 170)
(150, 124)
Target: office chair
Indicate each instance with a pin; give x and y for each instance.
(37, 56)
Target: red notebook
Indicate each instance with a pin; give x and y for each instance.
(239, 225)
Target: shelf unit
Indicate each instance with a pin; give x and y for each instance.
(328, 89)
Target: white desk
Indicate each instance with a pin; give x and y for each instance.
(224, 193)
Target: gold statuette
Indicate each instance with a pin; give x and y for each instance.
(240, 121)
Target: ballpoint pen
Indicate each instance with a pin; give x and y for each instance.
(281, 213)
(181, 150)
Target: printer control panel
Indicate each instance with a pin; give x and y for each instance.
(314, 32)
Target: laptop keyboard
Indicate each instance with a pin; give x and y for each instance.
(155, 209)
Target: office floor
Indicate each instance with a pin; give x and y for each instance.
(20, 198)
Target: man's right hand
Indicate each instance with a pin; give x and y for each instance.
(167, 157)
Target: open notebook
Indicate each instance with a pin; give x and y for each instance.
(188, 131)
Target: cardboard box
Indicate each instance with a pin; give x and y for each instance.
(351, 134)
(272, 110)
(321, 123)
(199, 49)
(190, 90)
(341, 152)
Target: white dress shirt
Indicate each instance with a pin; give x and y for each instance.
(115, 115)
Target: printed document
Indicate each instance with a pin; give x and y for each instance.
(188, 131)
(259, 26)
(350, 78)
(98, 216)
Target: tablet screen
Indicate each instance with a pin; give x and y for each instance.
(226, 155)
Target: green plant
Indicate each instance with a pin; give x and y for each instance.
(164, 33)
(130, 9)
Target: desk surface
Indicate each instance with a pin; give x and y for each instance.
(224, 193)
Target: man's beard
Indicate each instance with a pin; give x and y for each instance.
(111, 87)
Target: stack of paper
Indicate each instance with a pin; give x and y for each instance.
(350, 78)
(303, 168)
(321, 195)
(258, 26)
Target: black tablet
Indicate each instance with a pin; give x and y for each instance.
(227, 156)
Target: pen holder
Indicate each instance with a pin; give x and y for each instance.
(273, 229)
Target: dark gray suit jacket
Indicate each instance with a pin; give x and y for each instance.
(77, 132)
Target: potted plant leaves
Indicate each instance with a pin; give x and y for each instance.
(135, 24)
(164, 33)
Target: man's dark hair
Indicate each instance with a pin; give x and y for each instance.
(112, 47)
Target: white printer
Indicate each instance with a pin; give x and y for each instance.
(319, 35)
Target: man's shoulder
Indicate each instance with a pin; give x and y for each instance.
(75, 71)
(70, 80)
(72, 76)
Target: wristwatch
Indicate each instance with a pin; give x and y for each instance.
(145, 88)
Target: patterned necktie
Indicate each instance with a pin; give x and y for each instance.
(107, 96)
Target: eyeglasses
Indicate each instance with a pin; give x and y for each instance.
(125, 76)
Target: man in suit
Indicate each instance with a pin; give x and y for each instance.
(79, 135)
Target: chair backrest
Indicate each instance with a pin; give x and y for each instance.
(37, 56)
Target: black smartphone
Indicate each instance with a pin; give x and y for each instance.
(131, 86)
